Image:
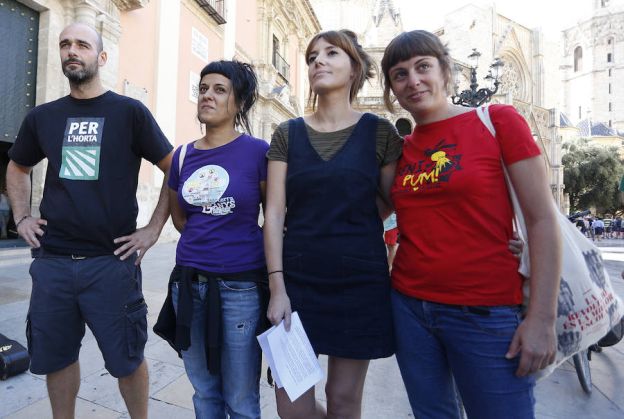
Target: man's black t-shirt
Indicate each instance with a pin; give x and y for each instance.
(94, 149)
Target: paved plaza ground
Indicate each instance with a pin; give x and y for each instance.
(25, 396)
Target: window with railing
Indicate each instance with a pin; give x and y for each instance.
(283, 68)
(214, 8)
(280, 64)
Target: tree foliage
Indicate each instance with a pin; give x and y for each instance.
(592, 175)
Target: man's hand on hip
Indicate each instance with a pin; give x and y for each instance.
(137, 242)
(29, 228)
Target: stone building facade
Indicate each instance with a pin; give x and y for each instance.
(593, 66)
(282, 33)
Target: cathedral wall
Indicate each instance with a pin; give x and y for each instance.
(602, 40)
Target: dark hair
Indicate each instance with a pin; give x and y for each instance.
(411, 44)
(244, 84)
(364, 67)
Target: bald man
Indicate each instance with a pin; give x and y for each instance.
(85, 245)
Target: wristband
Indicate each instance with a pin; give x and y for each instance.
(20, 221)
(274, 272)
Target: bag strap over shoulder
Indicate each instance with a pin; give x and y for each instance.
(483, 113)
(181, 158)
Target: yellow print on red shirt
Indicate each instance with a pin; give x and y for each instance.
(442, 162)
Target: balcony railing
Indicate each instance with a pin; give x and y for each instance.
(214, 8)
(283, 68)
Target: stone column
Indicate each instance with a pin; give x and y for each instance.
(109, 27)
(85, 12)
(538, 68)
(266, 129)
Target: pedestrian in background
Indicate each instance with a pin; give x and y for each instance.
(580, 224)
(608, 227)
(391, 237)
(457, 292)
(598, 228)
(591, 230)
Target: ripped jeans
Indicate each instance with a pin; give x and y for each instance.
(233, 392)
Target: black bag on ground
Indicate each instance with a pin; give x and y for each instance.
(614, 336)
(14, 358)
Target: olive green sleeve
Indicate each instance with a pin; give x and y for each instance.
(278, 149)
(389, 143)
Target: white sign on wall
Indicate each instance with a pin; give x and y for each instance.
(199, 45)
(193, 87)
(135, 91)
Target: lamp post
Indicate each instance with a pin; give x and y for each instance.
(474, 96)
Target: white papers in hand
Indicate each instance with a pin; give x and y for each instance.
(293, 363)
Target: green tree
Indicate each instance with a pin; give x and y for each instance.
(591, 175)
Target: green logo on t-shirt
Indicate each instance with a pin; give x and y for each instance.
(80, 156)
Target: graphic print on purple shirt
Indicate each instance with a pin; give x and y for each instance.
(205, 188)
(219, 191)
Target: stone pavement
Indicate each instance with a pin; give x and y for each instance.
(25, 396)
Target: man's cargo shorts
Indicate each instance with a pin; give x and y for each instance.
(103, 292)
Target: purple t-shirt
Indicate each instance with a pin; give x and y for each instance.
(219, 190)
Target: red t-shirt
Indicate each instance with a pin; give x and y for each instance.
(453, 210)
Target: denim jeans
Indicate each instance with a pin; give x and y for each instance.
(235, 391)
(439, 344)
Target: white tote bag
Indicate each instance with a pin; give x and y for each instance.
(587, 305)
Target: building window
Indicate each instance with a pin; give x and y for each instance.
(609, 72)
(610, 107)
(609, 41)
(609, 57)
(276, 48)
(578, 59)
(580, 113)
(280, 64)
(214, 8)
(609, 123)
(609, 88)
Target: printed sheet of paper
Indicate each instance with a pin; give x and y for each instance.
(266, 350)
(293, 363)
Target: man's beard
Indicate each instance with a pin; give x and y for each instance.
(80, 75)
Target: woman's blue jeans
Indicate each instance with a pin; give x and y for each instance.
(235, 391)
(438, 344)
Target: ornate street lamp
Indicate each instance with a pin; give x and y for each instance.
(474, 96)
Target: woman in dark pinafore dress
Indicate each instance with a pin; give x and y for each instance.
(330, 266)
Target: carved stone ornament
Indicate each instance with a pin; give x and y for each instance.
(128, 5)
(511, 80)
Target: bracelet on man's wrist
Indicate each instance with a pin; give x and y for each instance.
(20, 220)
